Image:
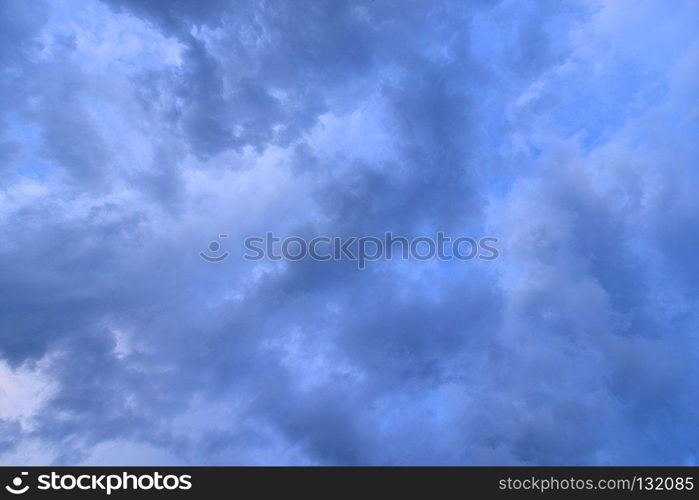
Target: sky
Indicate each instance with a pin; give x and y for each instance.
(133, 133)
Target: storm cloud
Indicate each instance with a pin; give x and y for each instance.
(132, 133)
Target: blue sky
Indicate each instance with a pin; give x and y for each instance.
(132, 133)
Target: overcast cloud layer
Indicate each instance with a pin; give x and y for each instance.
(132, 133)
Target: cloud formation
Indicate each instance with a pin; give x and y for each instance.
(132, 133)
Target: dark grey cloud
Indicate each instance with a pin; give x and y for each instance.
(122, 163)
